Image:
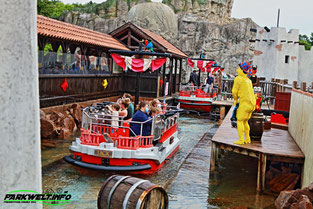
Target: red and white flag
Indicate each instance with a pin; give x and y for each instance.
(138, 65)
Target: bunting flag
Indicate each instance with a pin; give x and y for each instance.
(138, 65)
(215, 69)
(64, 85)
(202, 65)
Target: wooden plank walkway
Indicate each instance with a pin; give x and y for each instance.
(276, 145)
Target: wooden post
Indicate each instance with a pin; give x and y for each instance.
(303, 86)
(222, 112)
(137, 89)
(175, 76)
(180, 72)
(261, 172)
(213, 157)
(164, 79)
(171, 77)
(295, 84)
(219, 82)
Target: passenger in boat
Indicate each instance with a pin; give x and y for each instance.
(194, 78)
(155, 111)
(123, 111)
(155, 103)
(114, 112)
(141, 116)
(130, 109)
(129, 114)
(209, 81)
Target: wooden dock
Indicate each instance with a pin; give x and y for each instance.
(276, 145)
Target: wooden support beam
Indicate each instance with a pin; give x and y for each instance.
(219, 82)
(128, 38)
(261, 172)
(213, 157)
(175, 76)
(180, 73)
(295, 84)
(164, 79)
(171, 76)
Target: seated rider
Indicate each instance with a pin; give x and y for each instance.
(141, 116)
(123, 111)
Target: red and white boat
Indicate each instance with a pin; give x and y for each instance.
(191, 97)
(104, 147)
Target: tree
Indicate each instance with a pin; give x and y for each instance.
(306, 41)
(53, 8)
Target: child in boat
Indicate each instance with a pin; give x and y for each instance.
(114, 112)
(130, 109)
(123, 111)
(155, 111)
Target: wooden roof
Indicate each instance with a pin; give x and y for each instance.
(128, 30)
(51, 28)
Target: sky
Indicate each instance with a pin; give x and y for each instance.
(294, 14)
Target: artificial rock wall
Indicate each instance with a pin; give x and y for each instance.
(300, 128)
(193, 26)
(20, 160)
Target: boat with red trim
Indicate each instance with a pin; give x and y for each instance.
(191, 97)
(104, 147)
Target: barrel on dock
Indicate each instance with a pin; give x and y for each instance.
(256, 124)
(121, 192)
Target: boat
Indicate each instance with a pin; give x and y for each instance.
(194, 98)
(106, 148)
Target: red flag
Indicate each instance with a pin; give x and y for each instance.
(64, 85)
(190, 62)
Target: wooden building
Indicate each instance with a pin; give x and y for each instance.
(80, 58)
(131, 35)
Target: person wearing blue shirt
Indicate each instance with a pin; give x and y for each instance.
(141, 116)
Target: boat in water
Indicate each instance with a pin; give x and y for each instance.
(104, 147)
(195, 98)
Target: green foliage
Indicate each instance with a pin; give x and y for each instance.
(53, 8)
(306, 44)
(306, 41)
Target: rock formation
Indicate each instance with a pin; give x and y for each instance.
(198, 26)
(295, 199)
(157, 17)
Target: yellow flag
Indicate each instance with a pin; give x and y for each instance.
(105, 83)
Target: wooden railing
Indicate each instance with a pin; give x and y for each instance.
(269, 88)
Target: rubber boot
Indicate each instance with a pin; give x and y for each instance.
(240, 128)
(247, 132)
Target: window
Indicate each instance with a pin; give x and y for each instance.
(287, 59)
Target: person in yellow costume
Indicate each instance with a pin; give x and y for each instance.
(243, 91)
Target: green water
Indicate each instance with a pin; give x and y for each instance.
(186, 176)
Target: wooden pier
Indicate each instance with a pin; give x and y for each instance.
(276, 145)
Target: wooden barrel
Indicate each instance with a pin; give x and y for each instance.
(126, 192)
(256, 124)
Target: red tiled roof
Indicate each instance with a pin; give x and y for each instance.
(56, 29)
(170, 47)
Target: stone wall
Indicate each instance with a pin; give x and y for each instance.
(20, 160)
(300, 128)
